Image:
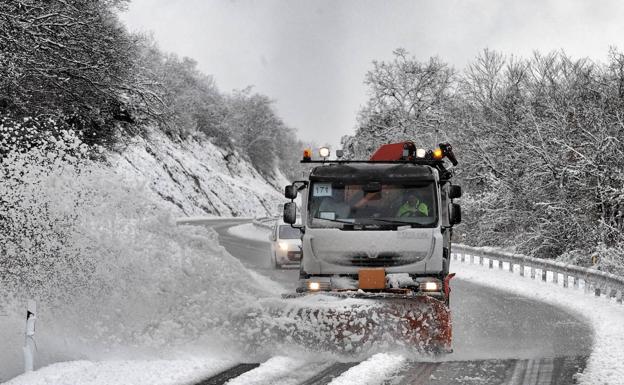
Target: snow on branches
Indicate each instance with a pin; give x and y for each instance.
(539, 141)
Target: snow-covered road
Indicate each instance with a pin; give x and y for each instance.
(383, 368)
(499, 338)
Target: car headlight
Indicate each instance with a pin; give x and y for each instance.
(283, 245)
(314, 286)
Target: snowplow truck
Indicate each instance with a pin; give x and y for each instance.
(379, 231)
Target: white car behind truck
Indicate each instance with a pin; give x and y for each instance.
(285, 245)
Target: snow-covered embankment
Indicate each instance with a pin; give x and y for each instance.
(98, 247)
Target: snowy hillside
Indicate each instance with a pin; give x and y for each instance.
(196, 177)
(98, 247)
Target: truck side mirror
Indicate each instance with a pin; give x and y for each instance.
(454, 214)
(290, 192)
(290, 212)
(455, 192)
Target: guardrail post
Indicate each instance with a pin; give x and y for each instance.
(532, 272)
(511, 266)
(555, 277)
(602, 289)
(565, 280)
(463, 257)
(481, 260)
(576, 282)
(500, 264)
(521, 270)
(587, 286)
(544, 274)
(611, 292)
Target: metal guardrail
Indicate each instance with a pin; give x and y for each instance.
(600, 282)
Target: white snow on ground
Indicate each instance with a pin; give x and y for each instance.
(267, 283)
(279, 370)
(375, 371)
(250, 231)
(606, 363)
(157, 372)
(113, 273)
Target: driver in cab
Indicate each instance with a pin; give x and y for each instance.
(413, 206)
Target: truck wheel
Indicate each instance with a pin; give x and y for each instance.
(302, 274)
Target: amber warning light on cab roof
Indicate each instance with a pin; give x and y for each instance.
(307, 155)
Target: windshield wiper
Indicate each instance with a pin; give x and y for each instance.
(352, 223)
(394, 221)
(337, 220)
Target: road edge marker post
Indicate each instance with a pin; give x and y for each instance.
(29, 336)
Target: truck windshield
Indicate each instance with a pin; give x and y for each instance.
(289, 232)
(379, 205)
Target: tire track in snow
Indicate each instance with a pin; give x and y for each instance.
(280, 370)
(418, 373)
(327, 375)
(545, 371)
(229, 374)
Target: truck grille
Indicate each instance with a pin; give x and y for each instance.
(382, 260)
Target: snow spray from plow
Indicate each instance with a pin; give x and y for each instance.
(345, 324)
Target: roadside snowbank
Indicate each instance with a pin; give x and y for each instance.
(111, 271)
(157, 372)
(606, 362)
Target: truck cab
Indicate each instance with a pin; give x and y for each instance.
(389, 218)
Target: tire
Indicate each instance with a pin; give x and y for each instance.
(275, 265)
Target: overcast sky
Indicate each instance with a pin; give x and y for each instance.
(311, 56)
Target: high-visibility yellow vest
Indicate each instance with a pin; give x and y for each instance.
(407, 208)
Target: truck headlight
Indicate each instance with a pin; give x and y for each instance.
(316, 284)
(430, 286)
(283, 246)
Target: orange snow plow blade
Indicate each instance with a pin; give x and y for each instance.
(350, 322)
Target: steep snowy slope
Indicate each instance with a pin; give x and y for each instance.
(97, 246)
(198, 178)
